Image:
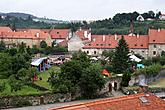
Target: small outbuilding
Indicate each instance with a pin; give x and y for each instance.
(41, 64)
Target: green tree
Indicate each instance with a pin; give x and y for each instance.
(43, 44)
(75, 75)
(91, 81)
(2, 46)
(121, 59)
(15, 84)
(108, 54)
(125, 79)
(19, 62)
(22, 48)
(5, 65)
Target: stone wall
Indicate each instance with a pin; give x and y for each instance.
(15, 101)
(111, 82)
(148, 79)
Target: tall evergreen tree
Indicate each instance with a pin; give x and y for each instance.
(121, 60)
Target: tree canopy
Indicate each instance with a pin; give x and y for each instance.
(121, 59)
(79, 74)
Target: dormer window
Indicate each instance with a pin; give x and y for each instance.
(153, 40)
(109, 44)
(135, 44)
(57, 32)
(97, 44)
(141, 45)
(101, 44)
(89, 44)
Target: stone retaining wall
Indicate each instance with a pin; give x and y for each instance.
(17, 101)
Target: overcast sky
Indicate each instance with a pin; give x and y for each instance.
(80, 9)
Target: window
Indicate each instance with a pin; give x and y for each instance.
(87, 52)
(154, 46)
(135, 44)
(57, 32)
(101, 44)
(143, 51)
(141, 45)
(94, 52)
(154, 52)
(153, 40)
(89, 44)
(109, 44)
(97, 44)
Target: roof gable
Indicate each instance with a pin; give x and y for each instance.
(157, 36)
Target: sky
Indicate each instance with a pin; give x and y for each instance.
(80, 9)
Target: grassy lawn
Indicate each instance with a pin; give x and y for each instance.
(159, 83)
(26, 90)
(45, 75)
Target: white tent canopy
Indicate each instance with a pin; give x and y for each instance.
(134, 58)
(37, 62)
(93, 58)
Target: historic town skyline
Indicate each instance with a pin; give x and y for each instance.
(80, 9)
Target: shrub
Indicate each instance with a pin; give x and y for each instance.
(125, 79)
(2, 87)
(152, 70)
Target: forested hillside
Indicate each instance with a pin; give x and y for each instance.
(119, 24)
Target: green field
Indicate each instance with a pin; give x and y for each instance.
(28, 90)
(45, 75)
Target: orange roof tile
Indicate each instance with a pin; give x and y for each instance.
(59, 33)
(5, 29)
(30, 34)
(80, 33)
(157, 36)
(134, 42)
(130, 102)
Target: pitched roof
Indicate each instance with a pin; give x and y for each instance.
(5, 29)
(157, 36)
(81, 33)
(111, 41)
(131, 102)
(28, 34)
(59, 33)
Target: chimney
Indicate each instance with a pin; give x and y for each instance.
(115, 36)
(103, 38)
(37, 34)
(131, 26)
(137, 35)
(89, 36)
(85, 34)
(94, 39)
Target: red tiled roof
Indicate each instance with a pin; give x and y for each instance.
(29, 34)
(133, 42)
(157, 36)
(80, 33)
(130, 102)
(5, 29)
(59, 33)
